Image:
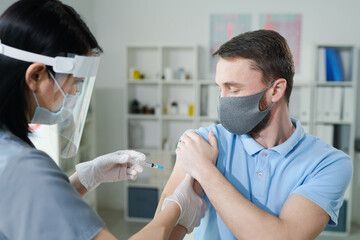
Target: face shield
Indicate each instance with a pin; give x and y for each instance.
(74, 78)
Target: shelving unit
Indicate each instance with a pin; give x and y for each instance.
(46, 138)
(331, 104)
(333, 110)
(156, 134)
(326, 110)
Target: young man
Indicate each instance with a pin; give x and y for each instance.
(263, 176)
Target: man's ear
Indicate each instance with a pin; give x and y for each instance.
(35, 73)
(279, 89)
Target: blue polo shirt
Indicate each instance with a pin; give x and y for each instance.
(303, 165)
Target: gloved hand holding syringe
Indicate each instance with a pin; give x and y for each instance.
(112, 167)
(145, 163)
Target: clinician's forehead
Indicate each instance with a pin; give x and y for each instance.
(67, 78)
(237, 71)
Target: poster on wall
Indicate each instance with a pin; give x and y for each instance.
(223, 28)
(289, 26)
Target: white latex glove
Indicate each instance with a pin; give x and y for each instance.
(111, 167)
(192, 206)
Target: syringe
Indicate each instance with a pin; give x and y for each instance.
(146, 164)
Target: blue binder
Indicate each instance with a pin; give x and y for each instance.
(334, 66)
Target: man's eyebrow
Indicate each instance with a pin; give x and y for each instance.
(231, 83)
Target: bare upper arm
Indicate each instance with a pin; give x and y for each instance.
(303, 218)
(104, 234)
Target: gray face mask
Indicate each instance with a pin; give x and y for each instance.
(239, 115)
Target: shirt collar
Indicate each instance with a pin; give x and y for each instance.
(252, 147)
(292, 141)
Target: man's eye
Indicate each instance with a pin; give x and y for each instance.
(80, 81)
(234, 90)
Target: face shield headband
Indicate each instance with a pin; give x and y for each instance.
(75, 67)
(78, 66)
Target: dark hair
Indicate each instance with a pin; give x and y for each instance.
(268, 50)
(46, 27)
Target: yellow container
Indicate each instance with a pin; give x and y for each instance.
(136, 74)
(191, 110)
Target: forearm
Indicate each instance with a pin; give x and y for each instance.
(162, 225)
(74, 180)
(175, 179)
(178, 232)
(244, 219)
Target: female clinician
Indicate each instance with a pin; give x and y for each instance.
(48, 64)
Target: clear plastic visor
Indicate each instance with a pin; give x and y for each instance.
(70, 131)
(62, 85)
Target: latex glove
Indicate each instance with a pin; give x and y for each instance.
(192, 206)
(196, 154)
(111, 167)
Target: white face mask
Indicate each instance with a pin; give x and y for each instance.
(45, 116)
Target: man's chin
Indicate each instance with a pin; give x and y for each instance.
(261, 125)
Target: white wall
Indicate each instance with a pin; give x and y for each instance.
(122, 22)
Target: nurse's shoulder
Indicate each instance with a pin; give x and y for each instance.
(18, 157)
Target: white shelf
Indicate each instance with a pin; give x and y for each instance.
(179, 82)
(143, 116)
(178, 117)
(340, 122)
(335, 84)
(335, 234)
(144, 81)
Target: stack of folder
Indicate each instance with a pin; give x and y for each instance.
(334, 67)
(334, 64)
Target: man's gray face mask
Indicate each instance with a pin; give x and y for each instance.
(239, 115)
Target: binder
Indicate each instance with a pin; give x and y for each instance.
(295, 104)
(336, 103)
(347, 63)
(334, 67)
(319, 103)
(327, 104)
(338, 68)
(325, 132)
(329, 72)
(321, 65)
(305, 104)
(347, 114)
(324, 104)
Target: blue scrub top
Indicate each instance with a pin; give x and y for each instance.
(303, 164)
(37, 200)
